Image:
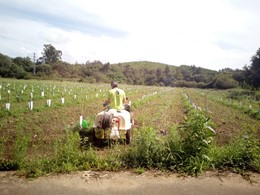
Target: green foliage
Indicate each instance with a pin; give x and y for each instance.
(146, 151)
(43, 69)
(224, 82)
(10, 69)
(17, 72)
(241, 100)
(50, 54)
(239, 94)
(143, 101)
(243, 153)
(139, 170)
(19, 149)
(187, 151)
(188, 148)
(254, 77)
(250, 75)
(67, 157)
(136, 73)
(197, 136)
(18, 152)
(68, 152)
(189, 84)
(25, 63)
(5, 65)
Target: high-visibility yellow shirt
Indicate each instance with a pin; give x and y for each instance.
(116, 97)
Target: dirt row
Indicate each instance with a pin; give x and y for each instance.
(161, 113)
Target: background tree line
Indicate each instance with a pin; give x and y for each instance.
(50, 66)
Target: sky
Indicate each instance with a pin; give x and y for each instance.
(212, 34)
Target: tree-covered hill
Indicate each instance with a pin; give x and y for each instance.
(50, 66)
(146, 64)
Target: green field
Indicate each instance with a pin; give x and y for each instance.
(176, 129)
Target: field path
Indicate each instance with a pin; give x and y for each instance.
(161, 113)
(103, 183)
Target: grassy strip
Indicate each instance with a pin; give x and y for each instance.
(247, 110)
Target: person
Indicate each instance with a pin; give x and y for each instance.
(116, 97)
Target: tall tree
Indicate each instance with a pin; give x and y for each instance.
(255, 70)
(50, 54)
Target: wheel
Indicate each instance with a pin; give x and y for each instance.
(128, 136)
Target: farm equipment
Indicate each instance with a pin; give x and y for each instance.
(112, 124)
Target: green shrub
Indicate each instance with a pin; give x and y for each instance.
(173, 149)
(68, 155)
(225, 82)
(147, 150)
(196, 142)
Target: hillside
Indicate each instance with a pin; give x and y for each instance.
(146, 64)
(135, 73)
(153, 73)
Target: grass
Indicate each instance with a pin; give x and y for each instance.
(187, 149)
(49, 140)
(228, 121)
(242, 154)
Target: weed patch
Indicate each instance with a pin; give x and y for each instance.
(147, 150)
(243, 153)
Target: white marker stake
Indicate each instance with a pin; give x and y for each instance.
(62, 100)
(42, 93)
(75, 96)
(30, 105)
(49, 102)
(80, 121)
(8, 105)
